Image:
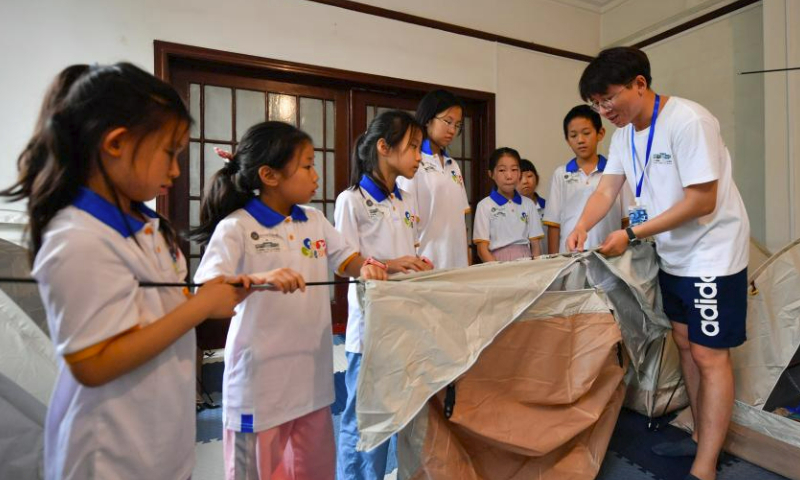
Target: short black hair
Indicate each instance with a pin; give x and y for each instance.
(434, 103)
(502, 152)
(528, 166)
(613, 66)
(583, 111)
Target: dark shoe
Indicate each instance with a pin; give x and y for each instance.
(681, 448)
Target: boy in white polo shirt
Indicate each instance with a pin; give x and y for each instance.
(572, 184)
(507, 226)
(673, 155)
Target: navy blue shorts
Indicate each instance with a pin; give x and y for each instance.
(714, 308)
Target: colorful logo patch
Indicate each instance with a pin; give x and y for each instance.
(524, 217)
(456, 177)
(313, 249)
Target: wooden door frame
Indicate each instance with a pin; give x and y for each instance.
(166, 53)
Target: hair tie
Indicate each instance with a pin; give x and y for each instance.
(230, 159)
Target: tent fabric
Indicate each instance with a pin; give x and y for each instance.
(22, 435)
(540, 403)
(28, 357)
(27, 370)
(760, 368)
(773, 327)
(424, 332)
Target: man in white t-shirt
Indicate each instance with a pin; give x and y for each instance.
(671, 152)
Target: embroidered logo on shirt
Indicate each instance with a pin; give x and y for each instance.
(662, 159)
(571, 177)
(267, 243)
(428, 167)
(498, 212)
(313, 249)
(456, 177)
(408, 219)
(524, 217)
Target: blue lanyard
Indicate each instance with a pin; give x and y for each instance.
(649, 145)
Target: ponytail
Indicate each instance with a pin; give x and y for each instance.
(270, 144)
(391, 126)
(82, 104)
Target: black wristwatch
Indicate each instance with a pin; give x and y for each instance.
(632, 240)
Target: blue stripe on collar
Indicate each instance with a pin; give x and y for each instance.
(572, 166)
(375, 191)
(426, 148)
(601, 164)
(269, 217)
(501, 200)
(100, 208)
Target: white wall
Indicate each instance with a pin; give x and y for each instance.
(629, 21)
(782, 121)
(545, 22)
(38, 44)
(551, 84)
(703, 65)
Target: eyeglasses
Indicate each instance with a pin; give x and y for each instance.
(457, 126)
(608, 103)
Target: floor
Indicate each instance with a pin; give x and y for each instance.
(628, 457)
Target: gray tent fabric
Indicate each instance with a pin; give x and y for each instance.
(423, 332)
(27, 370)
(21, 438)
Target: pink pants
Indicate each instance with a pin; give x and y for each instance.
(512, 252)
(301, 449)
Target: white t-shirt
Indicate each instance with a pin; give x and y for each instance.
(141, 424)
(687, 150)
(279, 351)
(377, 226)
(500, 222)
(439, 193)
(570, 189)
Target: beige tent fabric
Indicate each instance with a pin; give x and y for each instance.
(540, 403)
(773, 327)
(424, 332)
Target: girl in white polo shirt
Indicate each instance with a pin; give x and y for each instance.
(379, 217)
(108, 139)
(278, 380)
(438, 186)
(507, 224)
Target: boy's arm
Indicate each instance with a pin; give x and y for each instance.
(553, 239)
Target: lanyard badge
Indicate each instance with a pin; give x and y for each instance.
(638, 213)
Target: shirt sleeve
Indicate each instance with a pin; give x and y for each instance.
(552, 209)
(696, 149)
(616, 154)
(345, 217)
(340, 251)
(534, 223)
(89, 293)
(464, 196)
(224, 254)
(480, 228)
